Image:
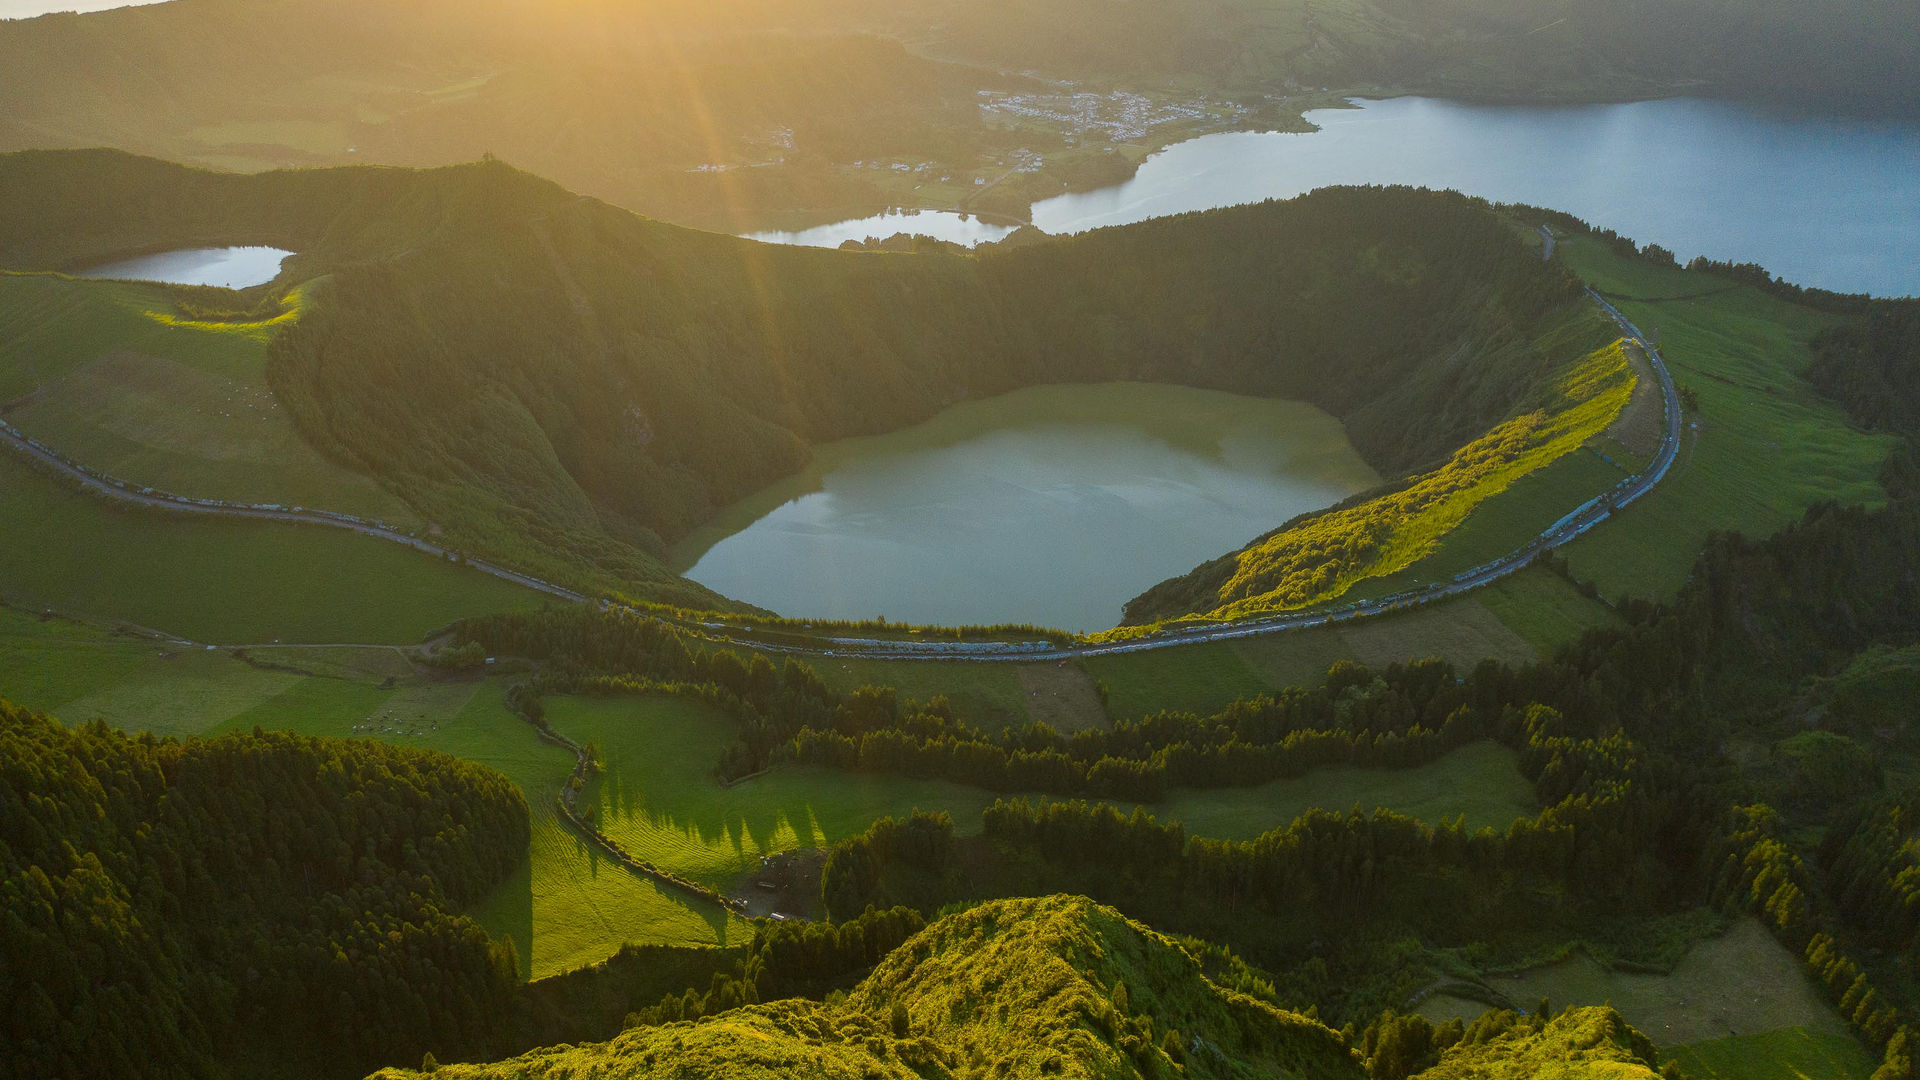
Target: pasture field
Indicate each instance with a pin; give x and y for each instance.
(1787, 1054)
(1768, 445)
(659, 799)
(106, 373)
(221, 580)
(658, 796)
(565, 907)
(1740, 983)
(1481, 780)
(568, 905)
(1516, 620)
(1544, 609)
(1198, 678)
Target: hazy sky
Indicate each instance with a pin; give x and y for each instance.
(23, 9)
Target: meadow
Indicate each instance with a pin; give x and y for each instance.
(657, 795)
(1518, 619)
(109, 373)
(1796, 1053)
(1734, 1006)
(1767, 445)
(226, 581)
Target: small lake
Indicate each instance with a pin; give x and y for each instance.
(1052, 505)
(228, 267)
(964, 229)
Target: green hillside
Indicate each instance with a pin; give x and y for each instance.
(566, 387)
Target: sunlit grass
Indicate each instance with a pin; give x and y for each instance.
(1768, 444)
(1323, 558)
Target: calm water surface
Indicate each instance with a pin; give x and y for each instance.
(229, 268)
(1053, 505)
(1817, 200)
(939, 224)
(1821, 201)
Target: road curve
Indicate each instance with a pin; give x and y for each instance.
(150, 498)
(1570, 527)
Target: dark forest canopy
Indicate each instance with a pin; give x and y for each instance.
(251, 905)
(539, 371)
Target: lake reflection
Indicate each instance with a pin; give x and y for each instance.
(1818, 201)
(963, 229)
(1053, 505)
(228, 267)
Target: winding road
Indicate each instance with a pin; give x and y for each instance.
(1569, 527)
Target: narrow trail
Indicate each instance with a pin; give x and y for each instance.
(1568, 528)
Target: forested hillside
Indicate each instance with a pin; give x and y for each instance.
(255, 905)
(566, 386)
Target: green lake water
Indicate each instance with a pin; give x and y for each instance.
(1053, 505)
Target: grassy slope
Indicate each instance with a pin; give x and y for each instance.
(238, 582)
(1768, 444)
(1481, 781)
(571, 423)
(1517, 619)
(1470, 506)
(1013, 988)
(1787, 1054)
(1729, 1002)
(108, 373)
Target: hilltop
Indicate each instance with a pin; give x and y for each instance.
(1062, 986)
(567, 387)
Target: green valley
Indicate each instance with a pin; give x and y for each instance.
(531, 629)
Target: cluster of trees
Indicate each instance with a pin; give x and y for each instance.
(1407, 715)
(172, 909)
(1871, 365)
(1871, 862)
(1790, 896)
(615, 651)
(792, 959)
(851, 880)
